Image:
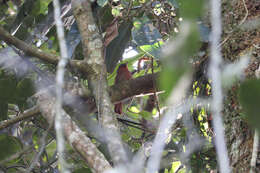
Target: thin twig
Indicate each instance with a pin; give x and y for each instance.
(41, 150)
(244, 19)
(129, 9)
(129, 121)
(135, 126)
(59, 85)
(167, 122)
(28, 49)
(23, 116)
(254, 152)
(155, 95)
(47, 78)
(18, 154)
(257, 47)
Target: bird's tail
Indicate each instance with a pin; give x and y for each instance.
(118, 108)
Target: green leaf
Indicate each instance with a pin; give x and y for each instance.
(115, 49)
(44, 6)
(51, 148)
(187, 42)
(7, 87)
(36, 8)
(24, 11)
(174, 3)
(3, 110)
(152, 50)
(24, 89)
(82, 170)
(146, 115)
(192, 43)
(191, 9)
(175, 166)
(116, 12)
(180, 50)
(126, 137)
(102, 3)
(105, 17)
(135, 132)
(168, 79)
(249, 96)
(144, 33)
(3, 9)
(10, 145)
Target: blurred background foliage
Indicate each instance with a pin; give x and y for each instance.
(151, 36)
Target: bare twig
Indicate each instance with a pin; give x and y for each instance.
(129, 8)
(155, 95)
(23, 116)
(28, 49)
(134, 125)
(244, 19)
(41, 150)
(18, 154)
(257, 47)
(59, 85)
(167, 122)
(35, 52)
(217, 98)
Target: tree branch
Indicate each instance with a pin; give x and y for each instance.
(130, 88)
(28, 50)
(94, 57)
(78, 140)
(35, 52)
(217, 93)
(25, 115)
(59, 85)
(118, 92)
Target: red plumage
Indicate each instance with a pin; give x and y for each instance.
(123, 74)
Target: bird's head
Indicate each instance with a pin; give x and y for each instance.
(123, 66)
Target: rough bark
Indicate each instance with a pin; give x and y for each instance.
(77, 138)
(94, 58)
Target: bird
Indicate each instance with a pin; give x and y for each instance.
(123, 74)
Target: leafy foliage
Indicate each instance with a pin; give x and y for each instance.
(115, 49)
(10, 145)
(151, 28)
(102, 2)
(249, 96)
(144, 33)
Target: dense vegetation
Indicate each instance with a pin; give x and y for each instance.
(54, 87)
